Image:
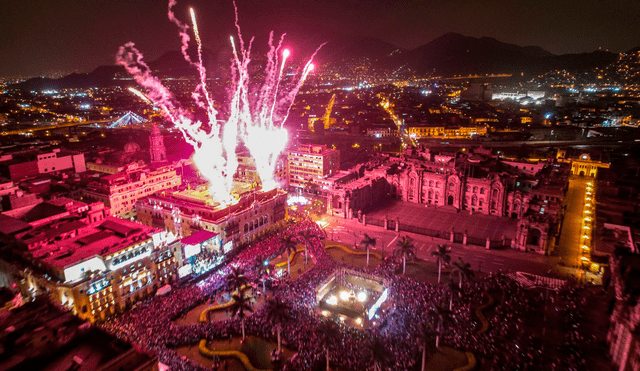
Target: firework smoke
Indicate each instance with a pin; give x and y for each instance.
(257, 111)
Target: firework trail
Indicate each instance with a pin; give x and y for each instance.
(257, 111)
(140, 95)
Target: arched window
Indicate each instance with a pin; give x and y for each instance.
(437, 184)
(493, 204)
(431, 183)
(412, 181)
(495, 193)
(482, 190)
(475, 189)
(474, 200)
(430, 195)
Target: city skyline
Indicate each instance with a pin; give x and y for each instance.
(42, 37)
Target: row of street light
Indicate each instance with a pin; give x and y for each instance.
(589, 215)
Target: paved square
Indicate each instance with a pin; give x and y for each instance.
(445, 217)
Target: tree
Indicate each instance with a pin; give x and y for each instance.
(462, 270)
(377, 350)
(277, 312)
(404, 249)
(425, 335)
(368, 242)
(236, 280)
(443, 255)
(443, 316)
(326, 331)
(288, 248)
(306, 236)
(240, 304)
(453, 289)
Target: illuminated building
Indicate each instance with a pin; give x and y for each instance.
(585, 166)
(185, 212)
(89, 262)
(476, 182)
(120, 191)
(310, 163)
(446, 132)
(31, 164)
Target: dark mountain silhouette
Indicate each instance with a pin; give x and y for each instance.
(449, 54)
(458, 54)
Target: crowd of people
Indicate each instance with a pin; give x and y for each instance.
(150, 325)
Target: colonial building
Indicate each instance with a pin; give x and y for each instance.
(120, 191)
(90, 262)
(476, 183)
(185, 212)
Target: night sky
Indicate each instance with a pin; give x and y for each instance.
(64, 35)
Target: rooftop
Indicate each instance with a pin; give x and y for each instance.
(41, 336)
(66, 242)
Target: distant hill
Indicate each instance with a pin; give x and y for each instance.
(449, 54)
(458, 54)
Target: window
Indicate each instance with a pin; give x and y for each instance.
(482, 190)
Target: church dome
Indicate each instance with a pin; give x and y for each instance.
(131, 147)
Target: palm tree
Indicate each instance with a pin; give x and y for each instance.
(443, 316)
(443, 255)
(240, 304)
(236, 280)
(462, 270)
(453, 289)
(306, 236)
(277, 312)
(368, 242)
(288, 247)
(425, 334)
(261, 267)
(377, 350)
(404, 249)
(326, 331)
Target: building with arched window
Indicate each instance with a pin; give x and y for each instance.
(474, 183)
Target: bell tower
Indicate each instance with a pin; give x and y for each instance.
(157, 149)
